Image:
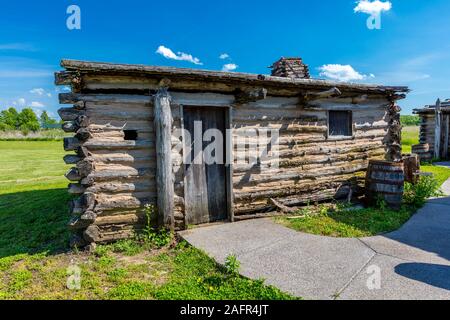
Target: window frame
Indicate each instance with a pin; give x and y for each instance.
(351, 126)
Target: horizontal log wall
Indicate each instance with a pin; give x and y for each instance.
(113, 177)
(427, 130)
(311, 166)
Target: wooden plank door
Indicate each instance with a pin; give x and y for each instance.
(205, 184)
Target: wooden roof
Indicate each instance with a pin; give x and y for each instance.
(227, 77)
(430, 109)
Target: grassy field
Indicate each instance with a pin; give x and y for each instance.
(42, 135)
(33, 197)
(410, 137)
(35, 262)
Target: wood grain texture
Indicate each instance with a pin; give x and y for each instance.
(164, 181)
(206, 192)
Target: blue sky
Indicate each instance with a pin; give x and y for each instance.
(412, 47)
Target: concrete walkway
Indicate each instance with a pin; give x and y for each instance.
(414, 261)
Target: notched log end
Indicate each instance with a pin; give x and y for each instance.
(73, 175)
(69, 126)
(71, 144)
(83, 134)
(76, 188)
(71, 159)
(92, 234)
(70, 114)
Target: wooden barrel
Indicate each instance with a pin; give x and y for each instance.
(385, 180)
(411, 166)
(423, 151)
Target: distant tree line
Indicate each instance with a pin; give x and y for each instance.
(25, 120)
(410, 120)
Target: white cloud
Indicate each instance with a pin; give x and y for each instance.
(229, 67)
(36, 104)
(38, 91)
(340, 72)
(180, 56)
(224, 56)
(20, 102)
(41, 92)
(372, 7)
(38, 112)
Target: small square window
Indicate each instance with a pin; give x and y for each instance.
(340, 123)
(130, 134)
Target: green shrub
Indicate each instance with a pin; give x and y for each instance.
(154, 236)
(410, 120)
(417, 194)
(28, 120)
(159, 238)
(232, 265)
(380, 203)
(25, 130)
(127, 247)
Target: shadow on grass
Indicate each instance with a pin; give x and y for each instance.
(34, 222)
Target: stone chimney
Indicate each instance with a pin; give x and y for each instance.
(290, 68)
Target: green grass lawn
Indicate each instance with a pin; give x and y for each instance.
(410, 137)
(33, 197)
(442, 174)
(34, 257)
(335, 221)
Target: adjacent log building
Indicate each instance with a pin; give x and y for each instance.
(127, 118)
(434, 131)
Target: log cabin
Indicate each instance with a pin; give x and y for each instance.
(129, 122)
(434, 131)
